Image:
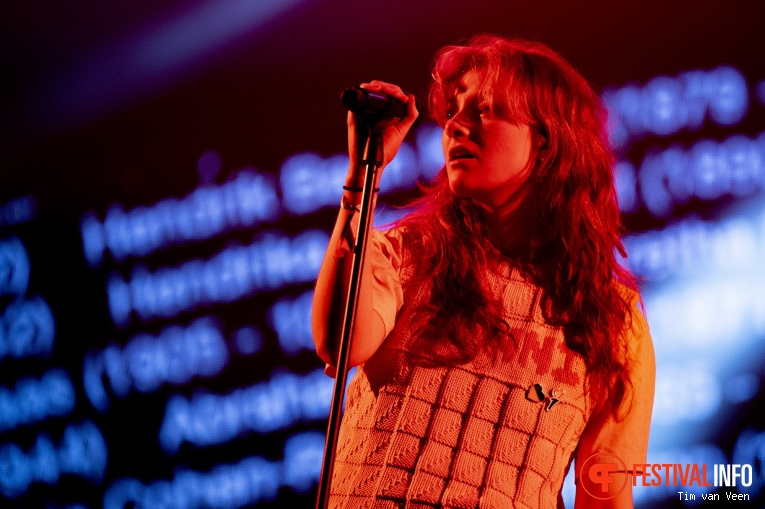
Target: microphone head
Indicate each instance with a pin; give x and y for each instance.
(353, 98)
(372, 106)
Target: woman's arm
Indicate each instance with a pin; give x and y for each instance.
(329, 304)
(334, 276)
(625, 437)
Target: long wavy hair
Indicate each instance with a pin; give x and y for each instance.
(577, 224)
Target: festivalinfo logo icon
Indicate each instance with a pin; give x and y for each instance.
(603, 476)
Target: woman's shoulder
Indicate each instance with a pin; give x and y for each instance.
(391, 238)
(637, 336)
(388, 244)
(636, 313)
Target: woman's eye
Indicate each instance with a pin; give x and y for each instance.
(484, 109)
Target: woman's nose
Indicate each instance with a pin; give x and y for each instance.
(455, 126)
(459, 124)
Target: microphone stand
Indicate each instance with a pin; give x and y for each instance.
(372, 160)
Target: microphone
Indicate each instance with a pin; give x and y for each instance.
(374, 106)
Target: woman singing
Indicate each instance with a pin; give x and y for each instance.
(497, 337)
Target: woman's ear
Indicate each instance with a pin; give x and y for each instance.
(541, 135)
(541, 143)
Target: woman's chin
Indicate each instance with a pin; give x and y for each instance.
(458, 186)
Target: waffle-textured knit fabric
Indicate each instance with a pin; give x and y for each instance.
(492, 433)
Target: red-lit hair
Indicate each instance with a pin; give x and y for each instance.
(577, 222)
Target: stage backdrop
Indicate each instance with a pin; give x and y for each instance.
(169, 176)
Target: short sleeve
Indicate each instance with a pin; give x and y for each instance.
(626, 438)
(385, 264)
(384, 261)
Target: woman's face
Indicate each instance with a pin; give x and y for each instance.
(487, 156)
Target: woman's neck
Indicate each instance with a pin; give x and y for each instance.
(511, 224)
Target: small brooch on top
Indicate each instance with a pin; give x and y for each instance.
(537, 393)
